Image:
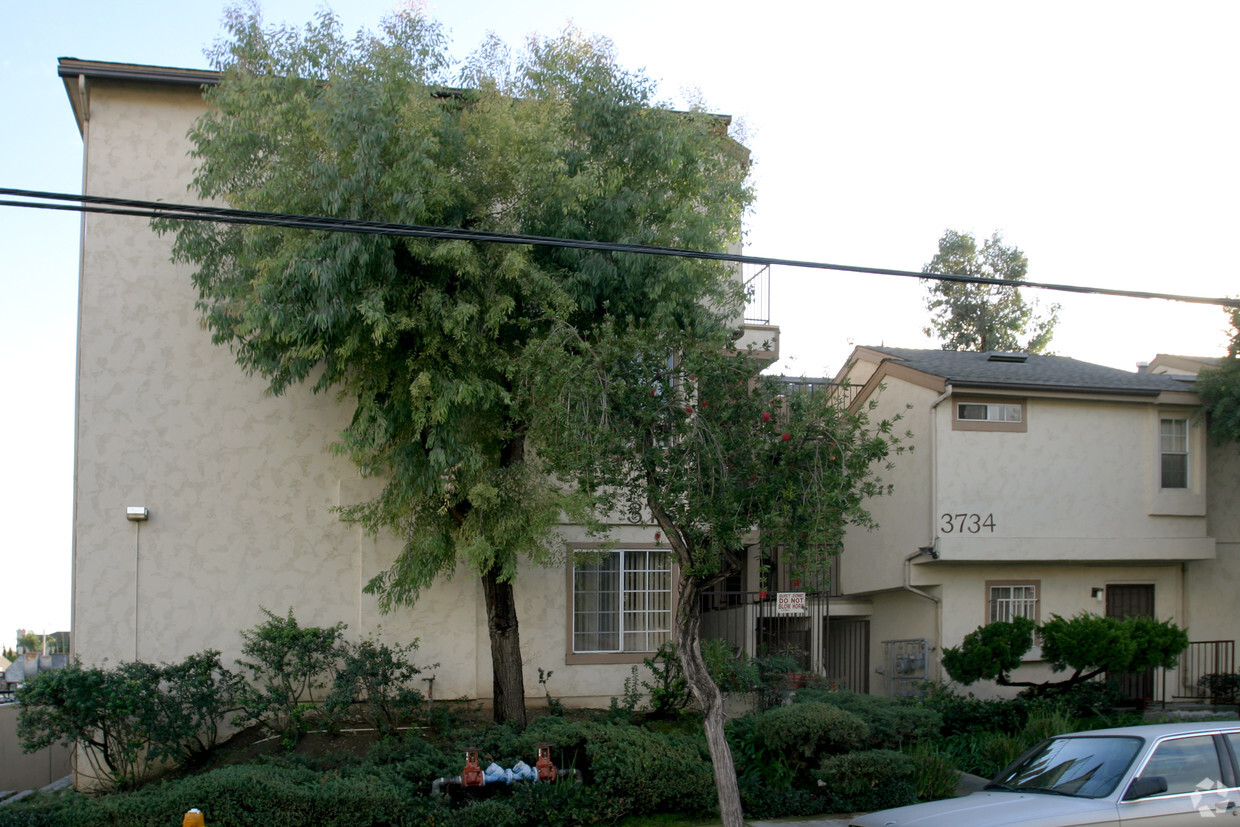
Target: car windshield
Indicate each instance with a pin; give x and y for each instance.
(1089, 767)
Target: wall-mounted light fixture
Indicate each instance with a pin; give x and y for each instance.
(137, 514)
(1097, 593)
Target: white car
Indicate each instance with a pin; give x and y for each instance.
(1151, 776)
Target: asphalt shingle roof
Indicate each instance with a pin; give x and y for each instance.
(965, 368)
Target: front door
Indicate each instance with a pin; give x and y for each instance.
(1132, 601)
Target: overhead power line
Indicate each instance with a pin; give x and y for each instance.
(34, 199)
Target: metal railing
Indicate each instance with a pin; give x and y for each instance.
(1201, 658)
(757, 281)
(750, 623)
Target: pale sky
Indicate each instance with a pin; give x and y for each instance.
(1097, 136)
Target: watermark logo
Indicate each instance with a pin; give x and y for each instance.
(1209, 800)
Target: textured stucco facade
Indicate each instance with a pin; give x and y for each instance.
(1068, 500)
(240, 485)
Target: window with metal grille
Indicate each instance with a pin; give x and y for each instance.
(1173, 436)
(622, 602)
(1009, 602)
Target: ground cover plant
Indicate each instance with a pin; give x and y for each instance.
(642, 764)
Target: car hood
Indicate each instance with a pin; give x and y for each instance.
(988, 809)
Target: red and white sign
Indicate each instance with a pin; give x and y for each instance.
(790, 603)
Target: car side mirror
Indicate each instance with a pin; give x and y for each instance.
(1142, 787)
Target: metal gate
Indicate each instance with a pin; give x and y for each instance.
(904, 665)
(848, 653)
(1132, 601)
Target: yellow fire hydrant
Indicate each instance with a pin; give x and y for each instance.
(193, 819)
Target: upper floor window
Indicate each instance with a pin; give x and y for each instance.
(988, 412)
(1173, 437)
(988, 415)
(1010, 601)
(622, 602)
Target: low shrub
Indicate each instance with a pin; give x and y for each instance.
(130, 720)
(968, 713)
(243, 796)
(779, 746)
(984, 753)
(892, 725)
(566, 804)
(758, 800)
(376, 681)
(868, 780)
(654, 771)
(1222, 687)
(935, 777)
(286, 663)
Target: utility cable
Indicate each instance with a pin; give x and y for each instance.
(187, 212)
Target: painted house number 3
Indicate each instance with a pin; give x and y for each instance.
(967, 523)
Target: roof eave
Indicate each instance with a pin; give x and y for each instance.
(71, 67)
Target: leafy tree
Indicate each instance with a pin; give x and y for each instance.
(983, 317)
(991, 652)
(29, 642)
(676, 429)
(427, 337)
(1088, 644)
(1220, 390)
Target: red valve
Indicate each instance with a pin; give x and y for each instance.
(546, 770)
(472, 776)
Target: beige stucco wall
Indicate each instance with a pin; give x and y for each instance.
(873, 559)
(1081, 483)
(1075, 505)
(1212, 587)
(240, 485)
(26, 771)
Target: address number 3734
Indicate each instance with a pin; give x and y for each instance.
(967, 523)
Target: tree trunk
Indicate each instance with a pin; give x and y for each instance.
(709, 698)
(508, 678)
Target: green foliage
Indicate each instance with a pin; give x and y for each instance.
(129, 719)
(762, 801)
(286, 663)
(652, 771)
(868, 780)
(780, 745)
(245, 796)
(990, 652)
(554, 705)
(1088, 644)
(935, 776)
(1093, 644)
(983, 317)
(733, 671)
(196, 696)
(892, 725)
(381, 680)
(668, 690)
(630, 700)
(1222, 687)
(29, 642)
(428, 338)
(968, 713)
(1219, 388)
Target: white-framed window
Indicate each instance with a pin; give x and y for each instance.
(1173, 447)
(988, 412)
(622, 602)
(1010, 601)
